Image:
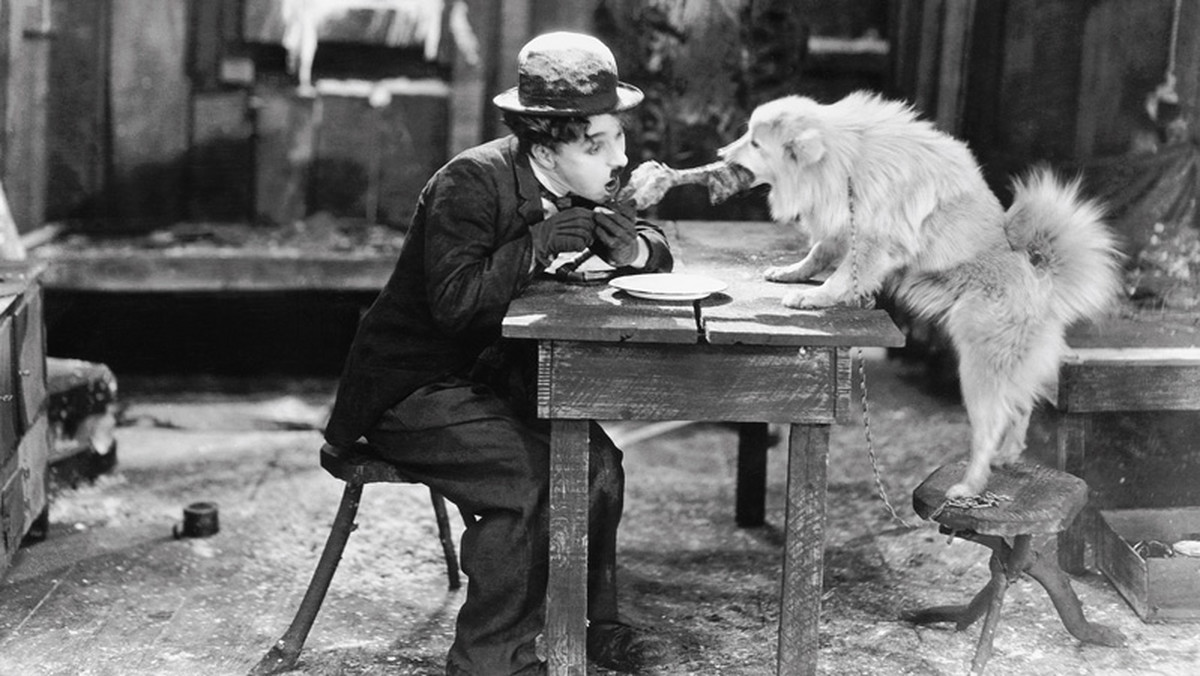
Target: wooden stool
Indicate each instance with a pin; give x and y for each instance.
(1022, 500)
(357, 466)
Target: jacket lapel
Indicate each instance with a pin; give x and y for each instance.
(529, 192)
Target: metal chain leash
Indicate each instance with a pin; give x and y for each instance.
(862, 373)
(988, 499)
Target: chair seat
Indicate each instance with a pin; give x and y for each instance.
(1033, 499)
(360, 464)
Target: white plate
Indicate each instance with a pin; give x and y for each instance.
(668, 286)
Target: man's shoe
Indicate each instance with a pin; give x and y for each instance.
(539, 669)
(621, 647)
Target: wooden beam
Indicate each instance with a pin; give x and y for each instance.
(470, 101)
(925, 97)
(24, 151)
(150, 103)
(952, 71)
(1187, 64)
(285, 136)
(77, 125)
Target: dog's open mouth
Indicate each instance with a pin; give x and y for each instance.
(732, 180)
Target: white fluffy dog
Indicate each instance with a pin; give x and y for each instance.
(888, 199)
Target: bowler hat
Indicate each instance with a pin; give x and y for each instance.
(565, 73)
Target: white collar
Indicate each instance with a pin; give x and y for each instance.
(548, 182)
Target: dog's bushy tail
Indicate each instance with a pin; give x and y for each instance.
(1067, 241)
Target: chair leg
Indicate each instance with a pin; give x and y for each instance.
(282, 656)
(443, 524)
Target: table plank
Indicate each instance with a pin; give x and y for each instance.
(632, 381)
(751, 311)
(554, 310)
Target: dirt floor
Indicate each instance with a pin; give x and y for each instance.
(111, 592)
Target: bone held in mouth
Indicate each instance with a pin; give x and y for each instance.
(650, 181)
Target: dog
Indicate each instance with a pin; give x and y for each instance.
(891, 202)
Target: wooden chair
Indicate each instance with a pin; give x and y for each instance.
(357, 466)
(1022, 500)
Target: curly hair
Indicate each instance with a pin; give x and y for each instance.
(549, 130)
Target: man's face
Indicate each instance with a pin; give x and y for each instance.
(591, 166)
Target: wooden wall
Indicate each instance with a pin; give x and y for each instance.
(150, 112)
(164, 110)
(24, 52)
(1027, 81)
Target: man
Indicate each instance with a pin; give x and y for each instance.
(432, 386)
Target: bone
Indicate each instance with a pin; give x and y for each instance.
(650, 181)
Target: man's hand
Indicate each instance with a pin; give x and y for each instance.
(568, 230)
(616, 234)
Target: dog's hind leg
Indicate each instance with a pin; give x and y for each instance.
(988, 413)
(1012, 441)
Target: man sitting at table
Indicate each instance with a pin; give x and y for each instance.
(429, 382)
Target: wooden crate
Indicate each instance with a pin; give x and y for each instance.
(1158, 589)
(24, 428)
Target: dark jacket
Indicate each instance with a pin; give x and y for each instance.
(466, 256)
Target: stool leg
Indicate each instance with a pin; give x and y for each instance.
(443, 524)
(998, 587)
(965, 616)
(961, 616)
(1070, 611)
(283, 654)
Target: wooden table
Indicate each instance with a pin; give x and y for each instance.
(1142, 366)
(737, 356)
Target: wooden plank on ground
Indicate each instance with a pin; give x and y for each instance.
(150, 103)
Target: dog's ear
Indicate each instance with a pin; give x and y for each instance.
(807, 148)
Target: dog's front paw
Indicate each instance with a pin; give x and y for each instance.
(811, 297)
(783, 273)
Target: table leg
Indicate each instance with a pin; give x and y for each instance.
(804, 550)
(1072, 430)
(566, 589)
(754, 439)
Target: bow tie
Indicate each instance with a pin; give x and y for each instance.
(567, 201)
